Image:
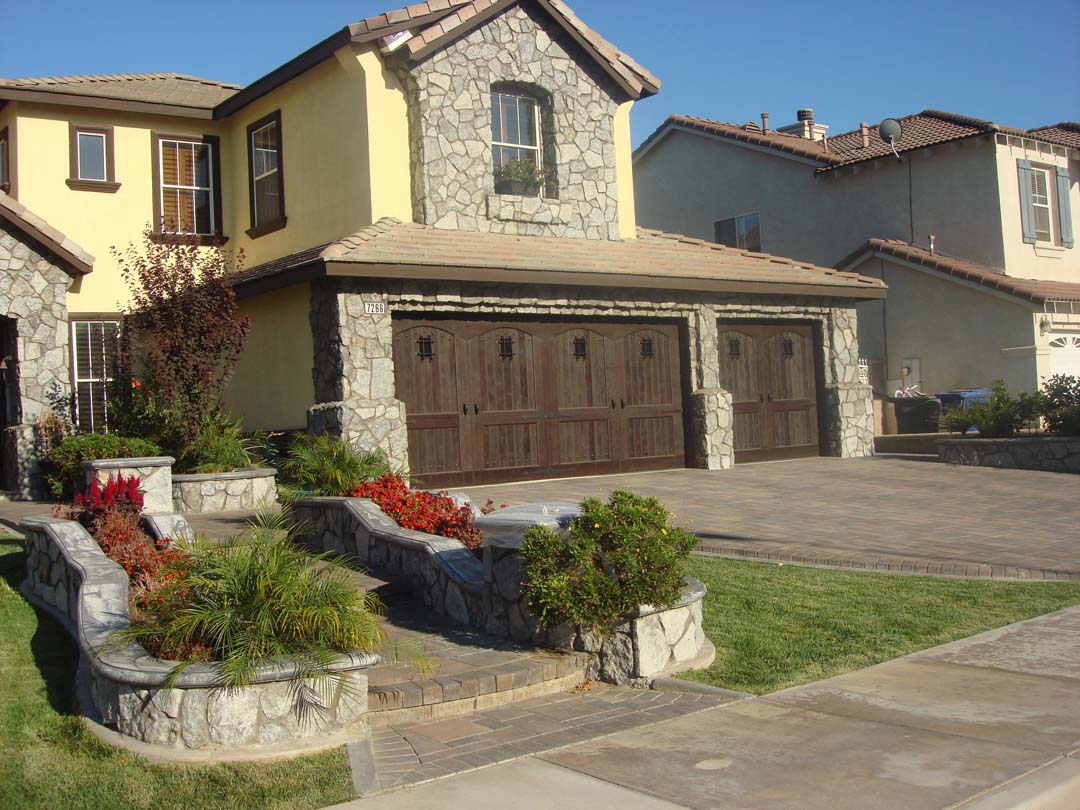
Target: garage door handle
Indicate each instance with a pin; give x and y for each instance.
(476, 409)
(612, 404)
(464, 409)
(769, 397)
(761, 397)
(623, 403)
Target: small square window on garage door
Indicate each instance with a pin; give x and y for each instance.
(94, 349)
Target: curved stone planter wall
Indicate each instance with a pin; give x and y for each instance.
(68, 574)
(223, 492)
(449, 579)
(1047, 453)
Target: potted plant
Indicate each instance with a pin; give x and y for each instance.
(521, 176)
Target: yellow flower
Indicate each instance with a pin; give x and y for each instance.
(596, 525)
(663, 531)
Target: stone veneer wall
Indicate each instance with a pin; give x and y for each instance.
(450, 131)
(354, 368)
(33, 292)
(450, 580)
(67, 573)
(1048, 453)
(199, 493)
(154, 474)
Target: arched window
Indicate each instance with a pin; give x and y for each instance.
(522, 154)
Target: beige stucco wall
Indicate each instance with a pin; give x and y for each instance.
(963, 336)
(1041, 260)
(272, 387)
(687, 182)
(97, 221)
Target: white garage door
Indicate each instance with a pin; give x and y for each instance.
(1065, 356)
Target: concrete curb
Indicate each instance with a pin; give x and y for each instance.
(693, 687)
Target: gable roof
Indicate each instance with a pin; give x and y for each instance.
(394, 249)
(74, 260)
(921, 130)
(1033, 290)
(1067, 133)
(434, 24)
(173, 93)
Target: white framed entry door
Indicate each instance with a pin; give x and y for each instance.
(1065, 355)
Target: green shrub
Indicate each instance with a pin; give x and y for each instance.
(220, 447)
(998, 418)
(259, 598)
(1059, 404)
(618, 555)
(63, 460)
(327, 465)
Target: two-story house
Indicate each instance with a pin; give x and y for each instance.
(971, 224)
(436, 212)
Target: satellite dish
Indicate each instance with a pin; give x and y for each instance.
(891, 132)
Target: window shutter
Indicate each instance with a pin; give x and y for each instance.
(1027, 208)
(1064, 208)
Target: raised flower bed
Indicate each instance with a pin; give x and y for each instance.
(197, 493)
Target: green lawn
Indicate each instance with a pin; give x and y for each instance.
(778, 626)
(48, 759)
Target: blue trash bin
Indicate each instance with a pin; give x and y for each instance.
(963, 398)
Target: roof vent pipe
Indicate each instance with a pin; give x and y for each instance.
(864, 131)
(932, 238)
(765, 122)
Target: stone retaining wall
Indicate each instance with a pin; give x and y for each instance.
(1048, 453)
(224, 492)
(450, 580)
(68, 574)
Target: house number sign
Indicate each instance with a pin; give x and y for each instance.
(374, 308)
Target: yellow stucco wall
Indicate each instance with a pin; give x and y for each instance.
(624, 172)
(272, 386)
(96, 221)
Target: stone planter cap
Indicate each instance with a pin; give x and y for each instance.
(506, 528)
(123, 463)
(234, 475)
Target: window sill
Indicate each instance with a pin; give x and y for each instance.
(535, 210)
(266, 227)
(201, 240)
(104, 186)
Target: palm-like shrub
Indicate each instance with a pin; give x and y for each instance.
(328, 465)
(259, 599)
(220, 447)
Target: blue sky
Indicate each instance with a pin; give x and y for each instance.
(849, 61)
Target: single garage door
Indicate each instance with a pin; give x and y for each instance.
(771, 373)
(502, 401)
(1065, 355)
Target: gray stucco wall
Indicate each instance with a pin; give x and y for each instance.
(687, 182)
(450, 132)
(33, 293)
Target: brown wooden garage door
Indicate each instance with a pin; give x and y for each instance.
(770, 371)
(501, 401)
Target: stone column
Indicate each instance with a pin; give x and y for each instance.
(849, 404)
(712, 437)
(354, 371)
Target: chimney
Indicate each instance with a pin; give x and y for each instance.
(932, 238)
(864, 130)
(805, 126)
(765, 122)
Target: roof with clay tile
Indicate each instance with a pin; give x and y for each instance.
(75, 260)
(173, 89)
(1067, 133)
(1036, 291)
(391, 248)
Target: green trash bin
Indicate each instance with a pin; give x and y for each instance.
(916, 414)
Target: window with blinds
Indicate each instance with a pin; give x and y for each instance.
(186, 187)
(740, 232)
(94, 346)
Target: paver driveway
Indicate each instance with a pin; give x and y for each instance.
(899, 513)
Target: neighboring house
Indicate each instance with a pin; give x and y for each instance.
(972, 229)
(405, 295)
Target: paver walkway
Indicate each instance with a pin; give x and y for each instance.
(986, 723)
(893, 513)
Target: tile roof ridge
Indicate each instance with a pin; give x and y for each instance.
(96, 78)
(41, 229)
(1070, 125)
(359, 238)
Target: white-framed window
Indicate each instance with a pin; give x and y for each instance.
(186, 186)
(515, 143)
(94, 349)
(91, 156)
(1040, 202)
(743, 231)
(264, 158)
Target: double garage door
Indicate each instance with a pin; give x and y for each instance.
(500, 401)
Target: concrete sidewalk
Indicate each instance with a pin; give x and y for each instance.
(986, 723)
